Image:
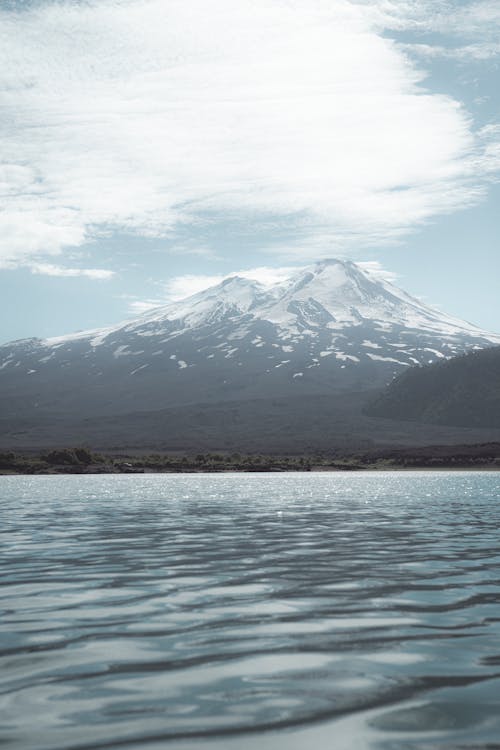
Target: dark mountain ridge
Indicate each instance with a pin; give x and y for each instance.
(462, 392)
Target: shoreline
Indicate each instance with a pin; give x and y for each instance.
(385, 470)
(82, 460)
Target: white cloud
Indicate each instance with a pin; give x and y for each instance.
(49, 269)
(191, 248)
(460, 17)
(482, 17)
(139, 307)
(478, 51)
(135, 115)
(185, 285)
(376, 269)
(469, 29)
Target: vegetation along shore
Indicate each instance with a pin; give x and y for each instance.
(82, 460)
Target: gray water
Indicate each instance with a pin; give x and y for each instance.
(267, 611)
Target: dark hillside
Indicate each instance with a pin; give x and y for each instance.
(462, 392)
(270, 426)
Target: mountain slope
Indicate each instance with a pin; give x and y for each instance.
(464, 391)
(330, 328)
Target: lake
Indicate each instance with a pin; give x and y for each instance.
(250, 611)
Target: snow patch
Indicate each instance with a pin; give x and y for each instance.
(121, 352)
(347, 357)
(141, 367)
(377, 358)
(436, 352)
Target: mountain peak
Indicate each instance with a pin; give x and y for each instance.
(330, 326)
(238, 281)
(321, 265)
(333, 293)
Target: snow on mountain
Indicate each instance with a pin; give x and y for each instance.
(331, 326)
(333, 294)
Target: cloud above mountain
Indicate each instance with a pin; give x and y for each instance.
(140, 116)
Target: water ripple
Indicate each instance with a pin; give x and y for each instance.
(210, 611)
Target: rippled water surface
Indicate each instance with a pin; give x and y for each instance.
(268, 611)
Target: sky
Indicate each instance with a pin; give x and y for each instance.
(148, 148)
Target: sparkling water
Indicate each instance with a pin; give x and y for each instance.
(241, 611)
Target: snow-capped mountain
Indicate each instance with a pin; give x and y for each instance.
(330, 327)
